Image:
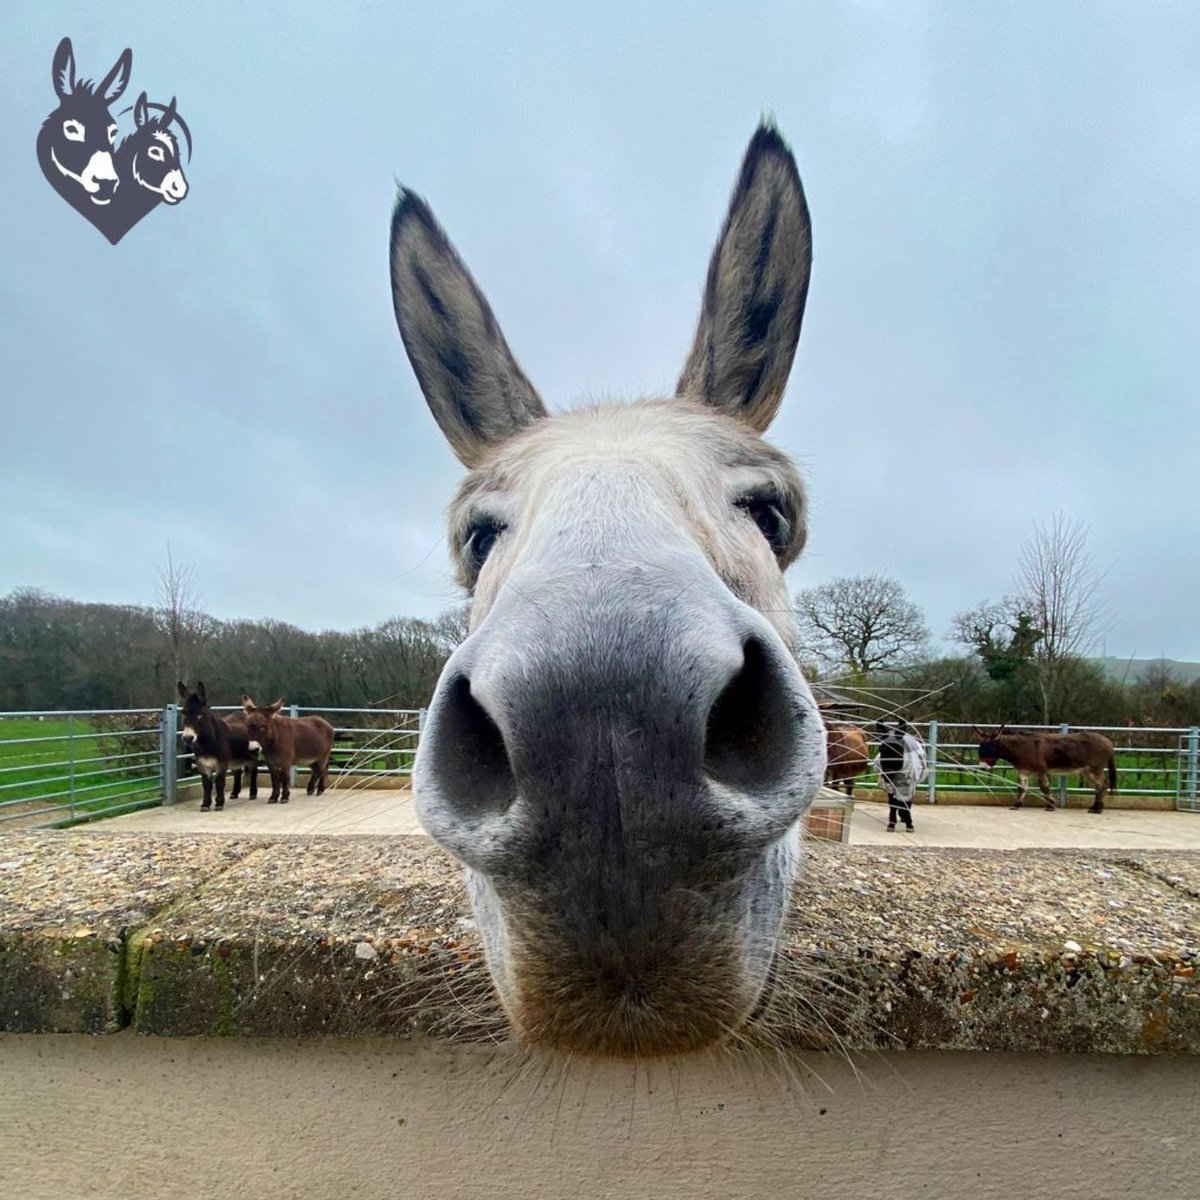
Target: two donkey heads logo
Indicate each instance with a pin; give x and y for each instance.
(113, 184)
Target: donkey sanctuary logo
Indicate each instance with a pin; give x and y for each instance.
(113, 186)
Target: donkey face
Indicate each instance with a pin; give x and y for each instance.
(76, 141)
(622, 749)
(989, 748)
(194, 714)
(152, 153)
(260, 723)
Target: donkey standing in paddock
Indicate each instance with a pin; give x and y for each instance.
(621, 751)
(242, 758)
(216, 744)
(903, 765)
(846, 750)
(1092, 755)
(288, 742)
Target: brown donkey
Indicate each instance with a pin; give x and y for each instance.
(1046, 754)
(287, 742)
(847, 755)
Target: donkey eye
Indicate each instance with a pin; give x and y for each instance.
(156, 153)
(480, 541)
(73, 131)
(766, 512)
(112, 135)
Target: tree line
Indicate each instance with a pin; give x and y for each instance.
(1023, 658)
(57, 653)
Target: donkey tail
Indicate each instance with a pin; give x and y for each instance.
(1112, 772)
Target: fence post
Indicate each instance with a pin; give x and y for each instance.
(933, 749)
(1062, 779)
(293, 712)
(169, 760)
(1193, 766)
(71, 768)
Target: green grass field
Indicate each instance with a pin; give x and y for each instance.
(1137, 774)
(75, 770)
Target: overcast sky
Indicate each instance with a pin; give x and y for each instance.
(1002, 321)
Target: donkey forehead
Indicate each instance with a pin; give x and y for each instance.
(689, 451)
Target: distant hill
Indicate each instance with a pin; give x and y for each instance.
(1130, 668)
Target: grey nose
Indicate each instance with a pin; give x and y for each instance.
(682, 730)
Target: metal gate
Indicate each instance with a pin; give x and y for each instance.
(1187, 788)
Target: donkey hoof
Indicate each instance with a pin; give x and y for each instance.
(892, 827)
(273, 800)
(284, 799)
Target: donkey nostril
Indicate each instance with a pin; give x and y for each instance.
(751, 732)
(469, 758)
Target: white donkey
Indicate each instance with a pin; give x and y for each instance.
(622, 750)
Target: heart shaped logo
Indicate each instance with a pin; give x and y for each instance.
(113, 185)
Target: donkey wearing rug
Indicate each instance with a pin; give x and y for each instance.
(902, 766)
(287, 742)
(1044, 754)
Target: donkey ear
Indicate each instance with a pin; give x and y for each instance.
(168, 115)
(181, 687)
(978, 733)
(117, 80)
(275, 706)
(247, 703)
(473, 385)
(201, 692)
(141, 110)
(756, 288)
(62, 70)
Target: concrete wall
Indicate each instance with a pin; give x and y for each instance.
(129, 1116)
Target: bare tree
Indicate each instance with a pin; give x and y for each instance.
(1003, 636)
(452, 626)
(1058, 585)
(178, 619)
(861, 623)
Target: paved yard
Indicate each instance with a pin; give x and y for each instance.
(384, 812)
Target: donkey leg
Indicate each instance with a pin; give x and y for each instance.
(220, 789)
(254, 780)
(323, 778)
(237, 783)
(206, 782)
(285, 782)
(1044, 784)
(314, 771)
(274, 784)
(1022, 788)
(1100, 783)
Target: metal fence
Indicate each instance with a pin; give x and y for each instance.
(59, 768)
(1151, 762)
(62, 768)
